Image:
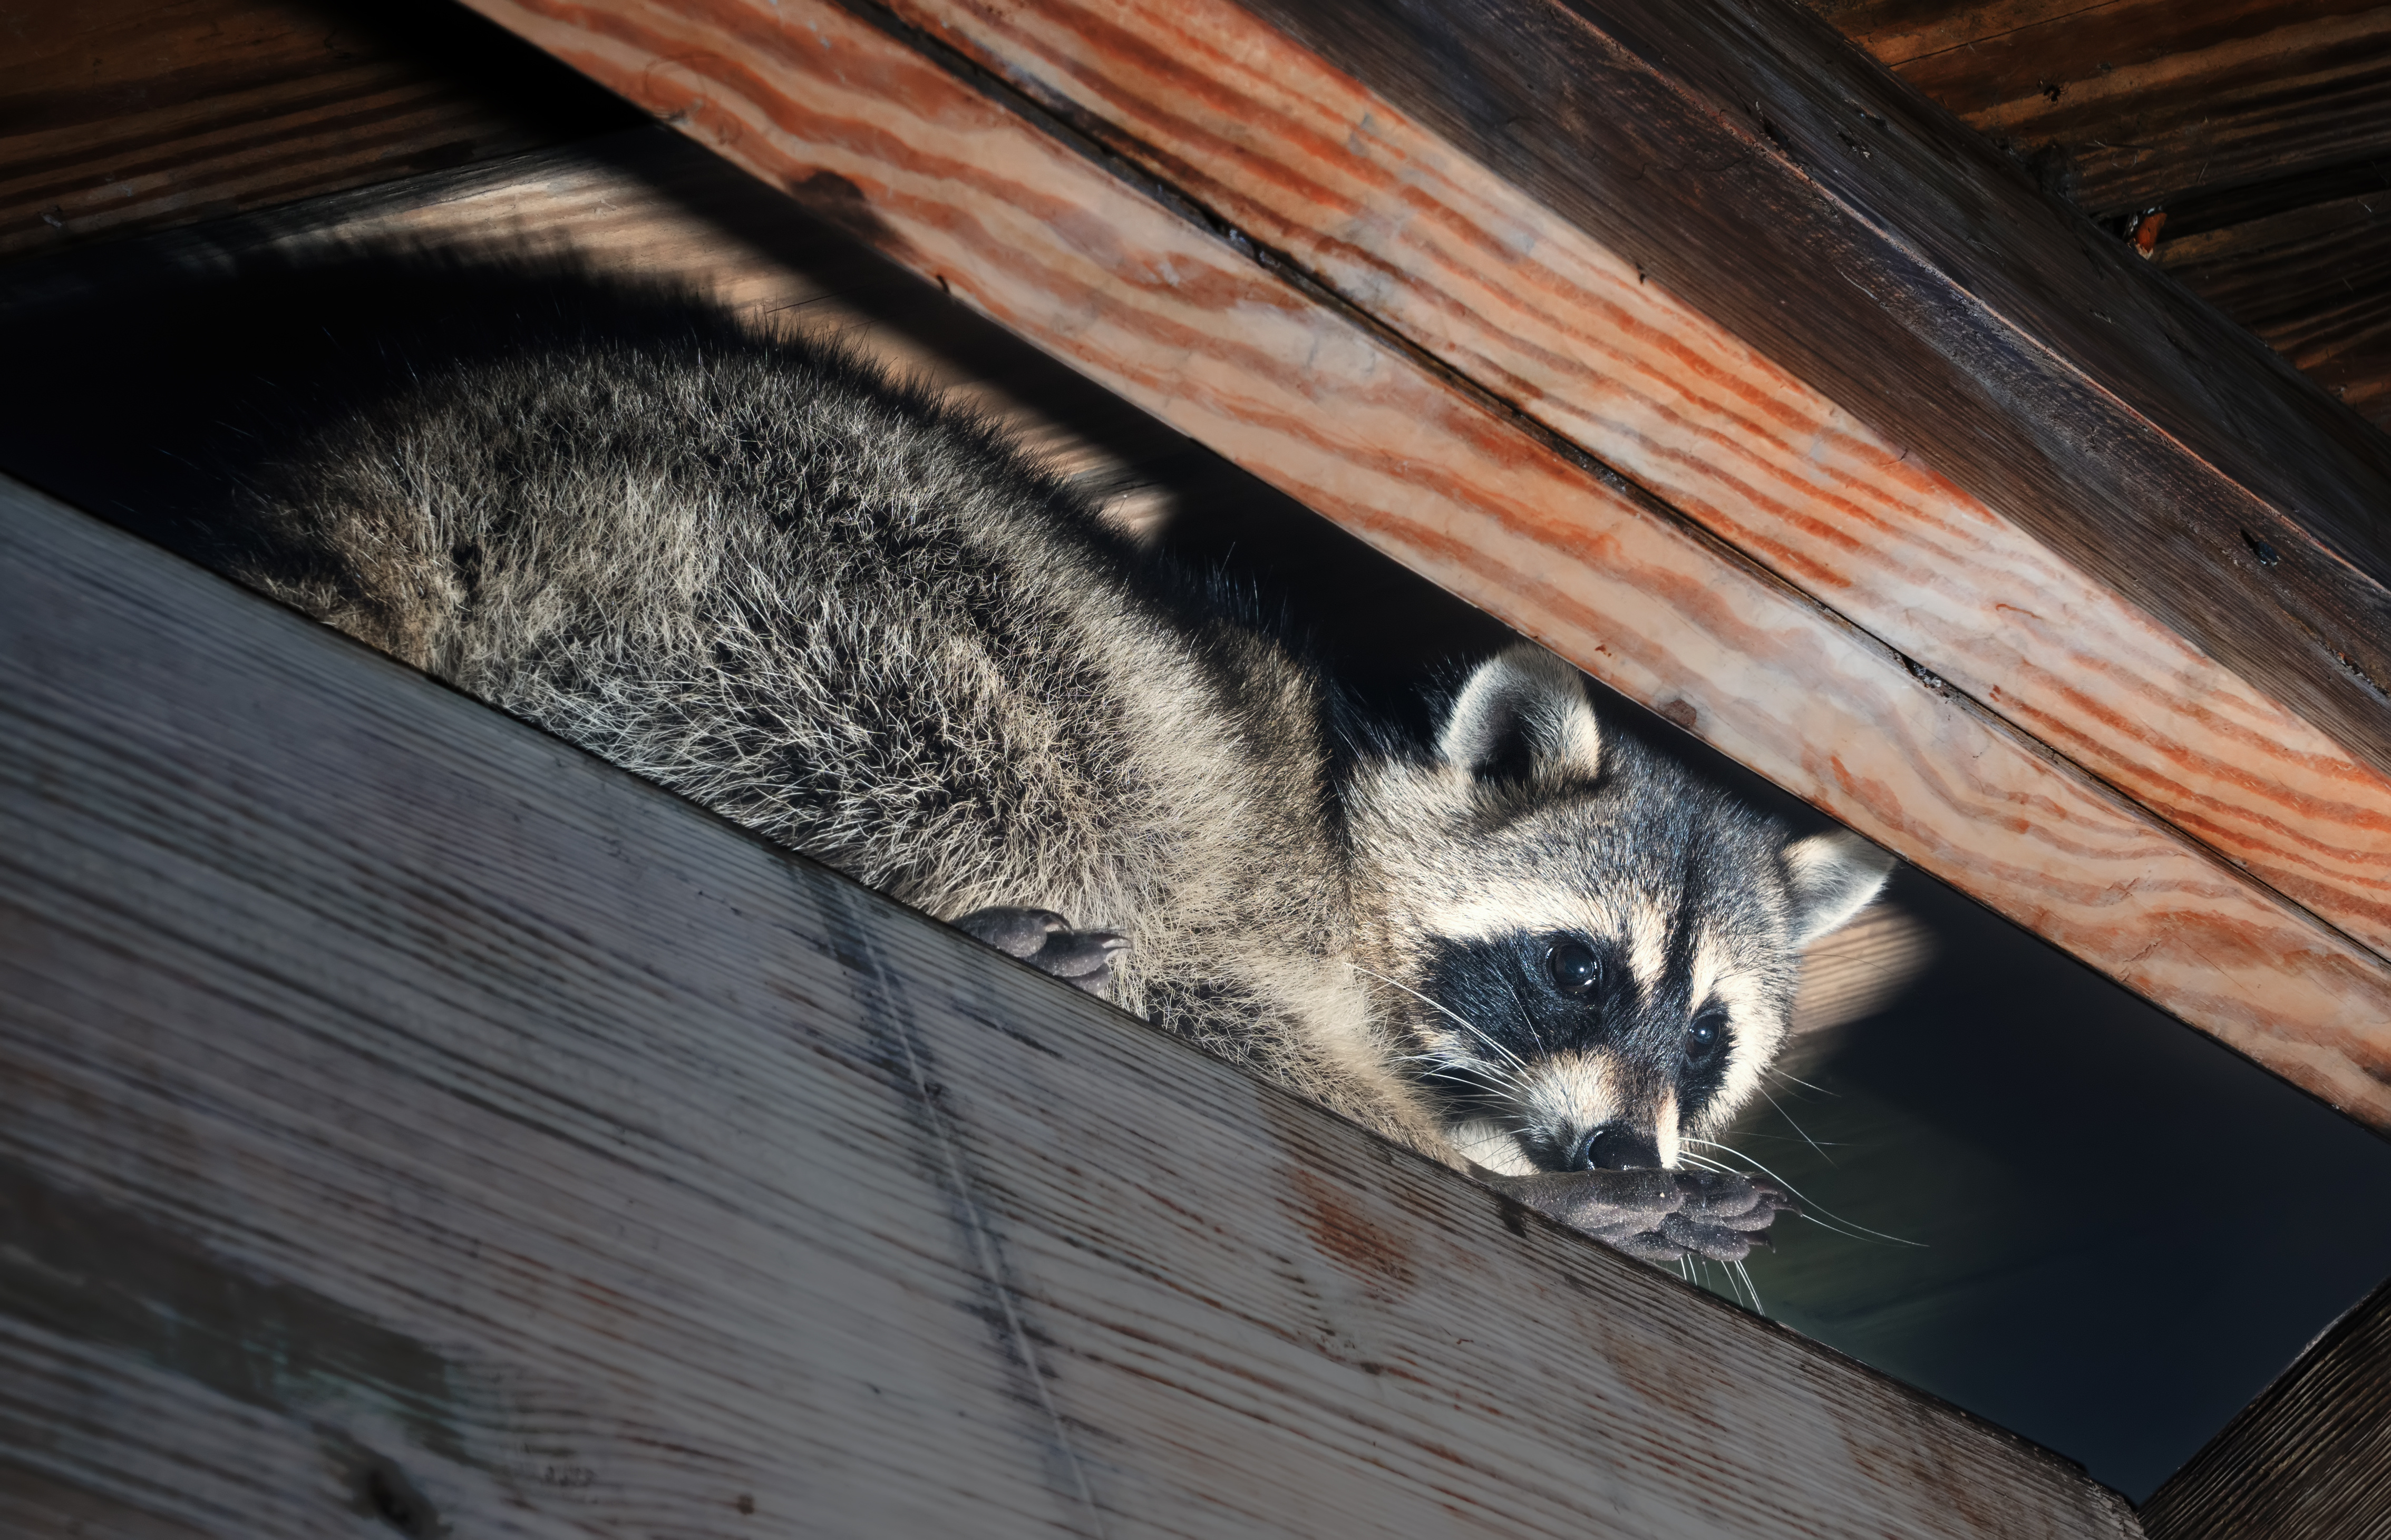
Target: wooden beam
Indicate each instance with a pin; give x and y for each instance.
(1398, 224)
(1784, 184)
(2258, 128)
(2151, 99)
(126, 115)
(408, 1119)
(1034, 232)
(2311, 1456)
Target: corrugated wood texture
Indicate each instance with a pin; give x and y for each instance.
(2310, 1457)
(408, 1122)
(1401, 227)
(1156, 308)
(118, 116)
(2260, 129)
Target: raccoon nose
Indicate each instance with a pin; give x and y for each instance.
(1613, 1148)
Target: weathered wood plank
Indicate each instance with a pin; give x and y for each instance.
(1049, 243)
(1782, 183)
(2310, 1457)
(402, 1113)
(2151, 99)
(2314, 282)
(120, 115)
(1407, 229)
(2256, 127)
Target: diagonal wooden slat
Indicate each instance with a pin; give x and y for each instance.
(1751, 158)
(1052, 245)
(412, 1125)
(1408, 229)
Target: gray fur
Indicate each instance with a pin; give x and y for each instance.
(865, 626)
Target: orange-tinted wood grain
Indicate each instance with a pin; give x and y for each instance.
(1052, 245)
(1403, 226)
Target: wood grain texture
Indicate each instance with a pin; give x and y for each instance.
(1782, 183)
(2311, 1456)
(120, 115)
(1411, 232)
(1049, 244)
(2260, 129)
(2314, 282)
(408, 1122)
(2151, 99)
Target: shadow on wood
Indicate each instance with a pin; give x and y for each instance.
(405, 1117)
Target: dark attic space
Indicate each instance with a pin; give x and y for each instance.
(2015, 1186)
(1942, 1142)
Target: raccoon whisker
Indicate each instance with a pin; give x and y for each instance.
(1527, 1018)
(1468, 1071)
(1840, 1222)
(1470, 1027)
(1796, 1126)
(1799, 1080)
(1753, 1289)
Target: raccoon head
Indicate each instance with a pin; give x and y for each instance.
(1592, 955)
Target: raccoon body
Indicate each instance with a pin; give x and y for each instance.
(866, 626)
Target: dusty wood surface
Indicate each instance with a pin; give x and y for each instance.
(2260, 129)
(2310, 1457)
(120, 115)
(1049, 244)
(1745, 155)
(407, 1121)
(1406, 229)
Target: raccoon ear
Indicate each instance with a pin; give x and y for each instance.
(1831, 877)
(1523, 714)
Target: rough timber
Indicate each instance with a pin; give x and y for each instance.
(1050, 241)
(404, 1114)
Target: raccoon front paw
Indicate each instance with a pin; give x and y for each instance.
(1046, 941)
(1658, 1216)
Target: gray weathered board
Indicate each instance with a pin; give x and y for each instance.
(407, 1122)
(2310, 1457)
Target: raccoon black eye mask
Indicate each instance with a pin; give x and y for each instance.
(862, 623)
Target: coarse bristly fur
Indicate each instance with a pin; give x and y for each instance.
(865, 624)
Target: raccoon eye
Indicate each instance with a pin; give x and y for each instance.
(1575, 969)
(1707, 1031)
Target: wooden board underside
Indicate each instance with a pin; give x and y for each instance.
(404, 1115)
(1048, 243)
(125, 115)
(1408, 230)
(1746, 155)
(2257, 128)
(2311, 1456)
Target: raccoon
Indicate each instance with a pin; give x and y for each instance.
(862, 623)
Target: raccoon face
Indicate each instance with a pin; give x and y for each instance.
(1596, 953)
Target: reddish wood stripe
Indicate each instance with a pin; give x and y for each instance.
(1407, 228)
(1053, 247)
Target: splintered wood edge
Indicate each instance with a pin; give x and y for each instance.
(869, 133)
(404, 1113)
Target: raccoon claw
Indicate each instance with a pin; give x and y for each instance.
(1046, 941)
(1659, 1216)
